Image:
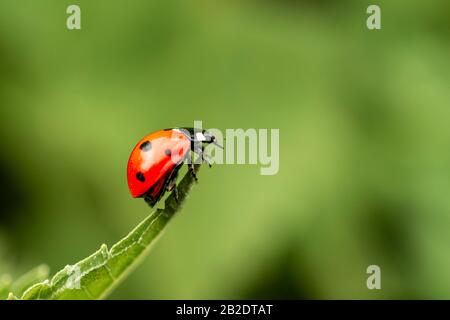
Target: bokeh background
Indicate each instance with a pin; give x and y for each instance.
(364, 142)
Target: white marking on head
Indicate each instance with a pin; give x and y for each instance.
(200, 136)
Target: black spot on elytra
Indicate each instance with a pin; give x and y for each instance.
(140, 177)
(146, 146)
(168, 152)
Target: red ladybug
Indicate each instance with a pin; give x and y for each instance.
(156, 159)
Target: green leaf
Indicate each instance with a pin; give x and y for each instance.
(95, 276)
(11, 296)
(10, 289)
(5, 286)
(30, 278)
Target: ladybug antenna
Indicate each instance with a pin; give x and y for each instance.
(216, 144)
(211, 139)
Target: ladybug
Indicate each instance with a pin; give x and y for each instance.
(156, 159)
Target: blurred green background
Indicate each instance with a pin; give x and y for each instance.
(364, 142)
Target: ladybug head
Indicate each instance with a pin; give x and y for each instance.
(202, 136)
(207, 137)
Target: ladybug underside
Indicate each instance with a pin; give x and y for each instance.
(165, 184)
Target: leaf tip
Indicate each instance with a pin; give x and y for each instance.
(11, 296)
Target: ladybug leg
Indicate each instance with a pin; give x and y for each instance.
(151, 202)
(171, 184)
(175, 193)
(191, 170)
(189, 160)
(205, 158)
